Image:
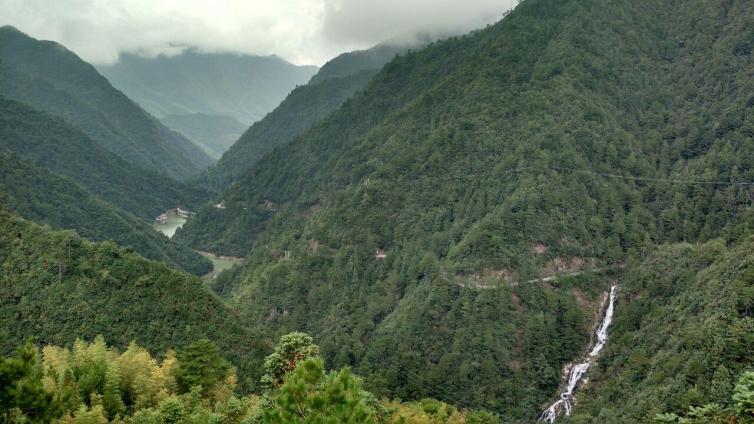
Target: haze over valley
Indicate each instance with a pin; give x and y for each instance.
(319, 211)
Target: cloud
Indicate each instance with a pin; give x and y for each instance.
(370, 21)
(302, 31)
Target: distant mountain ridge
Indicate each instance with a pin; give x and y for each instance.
(355, 62)
(209, 97)
(241, 86)
(48, 77)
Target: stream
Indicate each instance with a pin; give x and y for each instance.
(575, 374)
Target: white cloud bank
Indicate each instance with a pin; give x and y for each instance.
(302, 31)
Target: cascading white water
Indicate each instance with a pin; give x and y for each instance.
(563, 404)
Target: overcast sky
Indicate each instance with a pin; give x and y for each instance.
(301, 31)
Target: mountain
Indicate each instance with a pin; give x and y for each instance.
(408, 230)
(214, 133)
(209, 97)
(46, 198)
(681, 337)
(50, 78)
(356, 62)
(338, 80)
(240, 86)
(58, 287)
(53, 143)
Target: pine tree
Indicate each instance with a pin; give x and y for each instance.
(720, 387)
(290, 350)
(22, 395)
(200, 364)
(171, 411)
(312, 397)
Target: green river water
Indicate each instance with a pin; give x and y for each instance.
(220, 264)
(170, 226)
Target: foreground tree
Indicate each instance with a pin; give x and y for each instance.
(740, 410)
(200, 364)
(23, 398)
(308, 395)
(292, 349)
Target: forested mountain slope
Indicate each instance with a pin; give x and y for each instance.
(571, 133)
(356, 62)
(58, 287)
(54, 144)
(307, 105)
(47, 198)
(683, 334)
(48, 77)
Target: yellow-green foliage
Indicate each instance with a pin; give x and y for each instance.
(91, 383)
(96, 383)
(143, 380)
(426, 411)
(87, 289)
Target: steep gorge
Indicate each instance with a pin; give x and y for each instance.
(596, 129)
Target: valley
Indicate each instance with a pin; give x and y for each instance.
(170, 221)
(250, 214)
(220, 264)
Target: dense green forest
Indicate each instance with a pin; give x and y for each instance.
(571, 135)
(406, 217)
(43, 197)
(94, 383)
(58, 287)
(50, 78)
(307, 105)
(682, 337)
(54, 144)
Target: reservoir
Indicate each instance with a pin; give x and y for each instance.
(169, 225)
(220, 263)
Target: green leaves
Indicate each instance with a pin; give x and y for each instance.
(200, 364)
(23, 398)
(311, 396)
(135, 388)
(292, 349)
(743, 394)
(102, 289)
(111, 394)
(713, 413)
(47, 198)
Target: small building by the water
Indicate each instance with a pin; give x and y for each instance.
(163, 217)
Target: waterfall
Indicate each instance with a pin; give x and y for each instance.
(563, 404)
